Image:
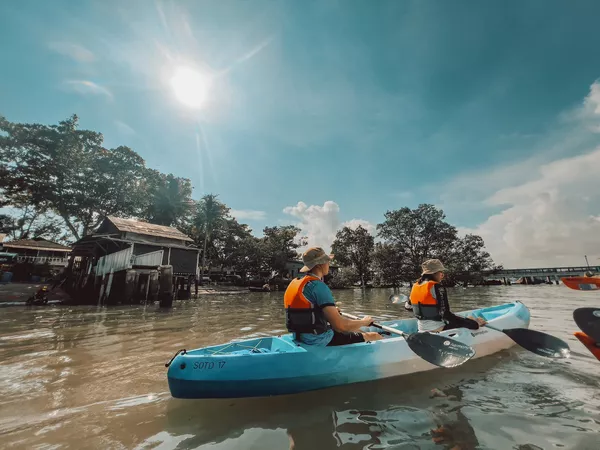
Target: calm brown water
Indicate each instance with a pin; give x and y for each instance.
(85, 377)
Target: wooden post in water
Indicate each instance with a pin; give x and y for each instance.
(165, 293)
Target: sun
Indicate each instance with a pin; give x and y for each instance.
(190, 87)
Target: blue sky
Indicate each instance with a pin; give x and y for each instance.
(349, 107)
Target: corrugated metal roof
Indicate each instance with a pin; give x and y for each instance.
(41, 244)
(149, 229)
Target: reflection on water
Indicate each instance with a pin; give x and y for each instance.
(83, 377)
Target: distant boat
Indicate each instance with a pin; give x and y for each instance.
(582, 283)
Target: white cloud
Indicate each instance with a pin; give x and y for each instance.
(73, 51)
(551, 211)
(319, 224)
(355, 223)
(552, 220)
(592, 101)
(248, 214)
(88, 87)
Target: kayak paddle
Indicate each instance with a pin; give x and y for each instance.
(540, 343)
(588, 321)
(398, 298)
(537, 342)
(433, 348)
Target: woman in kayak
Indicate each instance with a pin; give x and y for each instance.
(310, 308)
(430, 303)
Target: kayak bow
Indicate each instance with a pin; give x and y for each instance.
(582, 283)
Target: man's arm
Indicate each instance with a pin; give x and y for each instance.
(342, 324)
(448, 316)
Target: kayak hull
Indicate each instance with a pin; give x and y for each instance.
(588, 343)
(582, 283)
(278, 365)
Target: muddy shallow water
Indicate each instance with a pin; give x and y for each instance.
(86, 377)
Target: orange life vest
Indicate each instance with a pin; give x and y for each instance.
(425, 306)
(301, 315)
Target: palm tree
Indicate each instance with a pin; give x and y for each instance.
(211, 215)
(169, 199)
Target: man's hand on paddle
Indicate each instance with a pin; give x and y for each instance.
(342, 324)
(480, 320)
(367, 321)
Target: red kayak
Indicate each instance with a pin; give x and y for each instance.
(589, 343)
(582, 283)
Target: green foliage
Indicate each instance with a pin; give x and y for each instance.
(31, 223)
(209, 218)
(169, 199)
(343, 278)
(63, 182)
(62, 169)
(468, 260)
(421, 233)
(354, 248)
(279, 245)
(389, 265)
(7, 224)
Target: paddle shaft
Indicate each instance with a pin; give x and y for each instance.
(375, 324)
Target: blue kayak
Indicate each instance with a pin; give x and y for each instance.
(279, 365)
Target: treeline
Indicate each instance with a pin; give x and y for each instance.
(62, 182)
(407, 238)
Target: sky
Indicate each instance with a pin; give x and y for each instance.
(330, 113)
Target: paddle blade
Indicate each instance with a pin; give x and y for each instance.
(588, 321)
(439, 350)
(398, 298)
(540, 343)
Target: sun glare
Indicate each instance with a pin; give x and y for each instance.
(190, 87)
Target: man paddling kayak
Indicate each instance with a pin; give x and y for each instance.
(430, 303)
(310, 308)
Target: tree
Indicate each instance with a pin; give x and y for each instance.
(7, 224)
(468, 260)
(211, 214)
(29, 223)
(343, 278)
(231, 244)
(65, 170)
(353, 248)
(279, 246)
(389, 264)
(249, 255)
(421, 233)
(169, 199)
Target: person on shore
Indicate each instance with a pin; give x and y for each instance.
(430, 303)
(310, 309)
